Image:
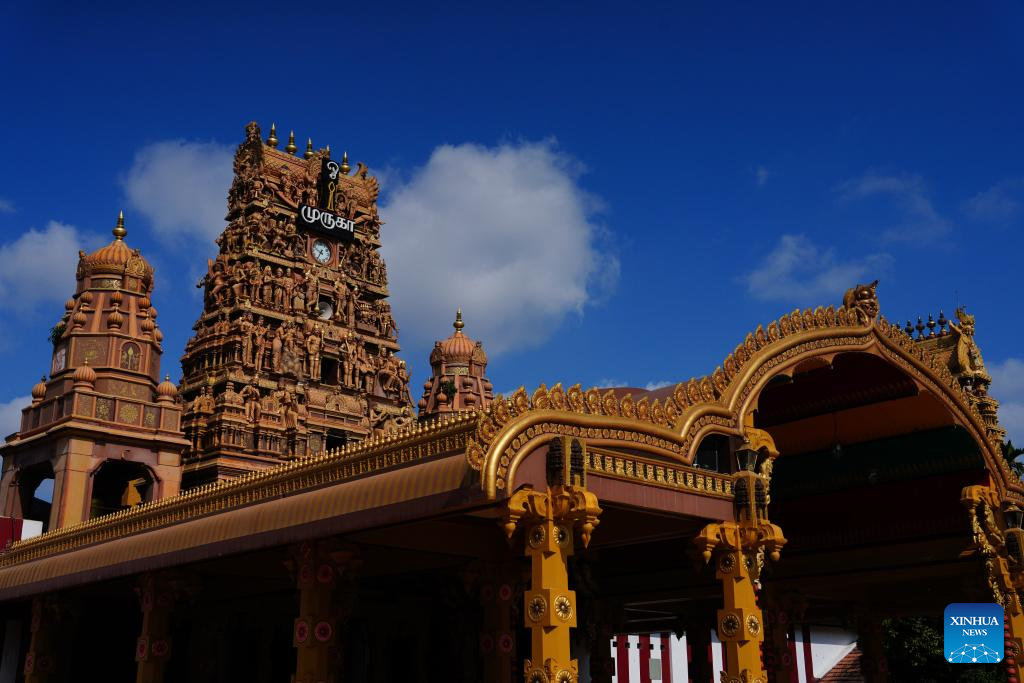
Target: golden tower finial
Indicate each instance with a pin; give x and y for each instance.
(328, 150)
(309, 149)
(291, 143)
(345, 168)
(458, 324)
(119, 231)
(272, 140)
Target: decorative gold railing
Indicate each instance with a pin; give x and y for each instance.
(627, 467)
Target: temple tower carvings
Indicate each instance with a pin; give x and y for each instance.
(101, 427)
(295, 351)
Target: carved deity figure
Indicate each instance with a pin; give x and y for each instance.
(312, 289)
(214, 282)
(281, 283)
(313, 342)
(968, 355)
(251, 395)
(348, 361)
(350, 307)
(366, 368)
(246, 328)
(268, 287)
(385, 322)
(276, 345)
(260, 342)
(289, 412)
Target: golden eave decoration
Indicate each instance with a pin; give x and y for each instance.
(512, 427)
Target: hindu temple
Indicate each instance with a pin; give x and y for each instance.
(286, 512)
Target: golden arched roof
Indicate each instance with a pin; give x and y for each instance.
(717, 403)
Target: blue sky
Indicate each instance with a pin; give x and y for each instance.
(612, 196)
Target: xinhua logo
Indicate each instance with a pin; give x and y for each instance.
(973, 633)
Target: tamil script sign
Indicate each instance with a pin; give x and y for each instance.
(324, 221)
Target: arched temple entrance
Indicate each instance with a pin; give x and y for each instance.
(118, 484)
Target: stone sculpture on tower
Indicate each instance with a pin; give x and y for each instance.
(295, 314)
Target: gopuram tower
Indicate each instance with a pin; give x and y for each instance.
(294, 352)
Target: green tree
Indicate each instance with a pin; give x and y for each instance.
(913, 650)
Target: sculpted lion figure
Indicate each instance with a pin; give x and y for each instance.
(864, 300)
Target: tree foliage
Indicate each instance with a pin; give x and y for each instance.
(913, 650)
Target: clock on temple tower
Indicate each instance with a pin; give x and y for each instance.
(296, 349)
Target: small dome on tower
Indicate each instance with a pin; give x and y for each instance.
(457, 382)
(167, 388)
(457, 348)
(39, 390)
(84, 374)
(116, 258)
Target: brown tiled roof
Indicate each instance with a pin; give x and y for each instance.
(847, 670)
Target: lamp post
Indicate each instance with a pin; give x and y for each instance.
(1014, 516)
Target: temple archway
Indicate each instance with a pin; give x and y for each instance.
(118, 484)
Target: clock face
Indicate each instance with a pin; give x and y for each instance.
(321, 251)
(325, 310)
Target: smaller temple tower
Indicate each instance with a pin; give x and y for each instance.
(457, 382)
(103, 427)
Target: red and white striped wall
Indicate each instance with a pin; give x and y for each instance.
(663, 658)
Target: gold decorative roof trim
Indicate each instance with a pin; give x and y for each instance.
(447, 434)
(511, 427)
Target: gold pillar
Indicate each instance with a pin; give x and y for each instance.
(50, 619)
(318, 569)
(551, 518)
(153, 647)
(738, 549)
(1000, 546)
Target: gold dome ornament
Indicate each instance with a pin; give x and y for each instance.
(291, 143)
(345, 168)
(119, 230)
(272, 138)
(309, 149)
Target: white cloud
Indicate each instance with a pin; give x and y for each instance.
(761, 175)
(651, 386)
(39, 266)
(919, 220)
(182, 188)
(1008, 389)
(6, 206)
(10, 415)
(506, 233)
(799, 271)
(1001, 202)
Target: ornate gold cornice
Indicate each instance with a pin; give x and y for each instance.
(378, 454)
(511, 427)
